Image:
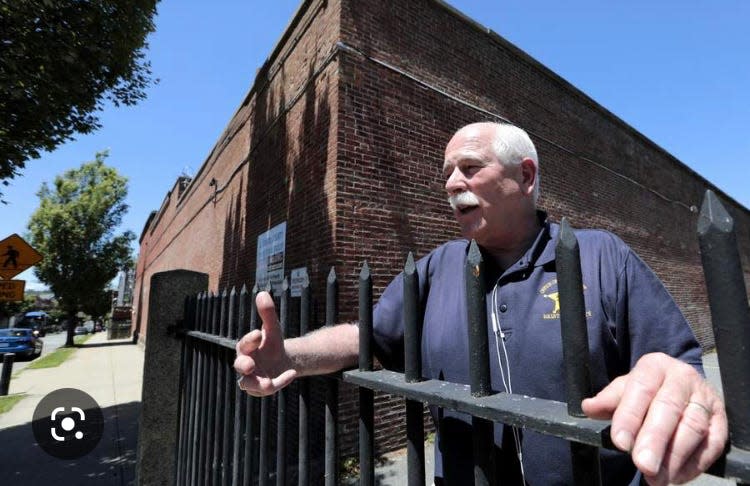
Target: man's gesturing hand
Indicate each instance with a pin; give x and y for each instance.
(666, 415)
(262, 362)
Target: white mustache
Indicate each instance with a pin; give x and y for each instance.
(463, 199)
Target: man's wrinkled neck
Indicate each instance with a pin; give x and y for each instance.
(507, 255)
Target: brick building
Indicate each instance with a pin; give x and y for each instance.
(341, 138)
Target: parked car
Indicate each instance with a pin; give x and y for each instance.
(80, 330)
(20, 341)
(36, 327)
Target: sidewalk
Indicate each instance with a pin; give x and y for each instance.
(109, 371)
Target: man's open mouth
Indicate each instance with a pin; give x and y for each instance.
(466, 209)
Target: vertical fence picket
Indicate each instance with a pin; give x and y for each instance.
(281, 402)
(218, 401)
(479, 366)
(186, 377)
(332, 391)
(195, 405)
(586, 469)
(230, 387)
(265, 425)
(193, 350)
(413, 372)
(251, 453)
(203, 452)
(236, 332)
(366, 396)
(730, 314)
(304, 387)
(211, 391)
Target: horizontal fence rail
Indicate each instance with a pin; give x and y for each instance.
(225, 436)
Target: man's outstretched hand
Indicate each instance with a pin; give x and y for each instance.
(666, 416)
(262, 362)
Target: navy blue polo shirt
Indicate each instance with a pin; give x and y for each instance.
(629, 313)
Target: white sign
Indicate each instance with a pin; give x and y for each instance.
(270, 258)
(295, 285)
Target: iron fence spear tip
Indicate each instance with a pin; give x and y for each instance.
(332, 275)
(364, 274)
(714, 215)
(410, 267)
(305, 278)
(285, 284)
(567, 238)
(475, 256)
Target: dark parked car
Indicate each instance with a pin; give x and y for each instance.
(20, 341)
(36, 327)
(80, 330)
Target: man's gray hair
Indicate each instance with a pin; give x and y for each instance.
(511, 145)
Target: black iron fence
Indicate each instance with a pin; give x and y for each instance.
(224, 436)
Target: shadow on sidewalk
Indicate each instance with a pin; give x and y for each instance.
(102, 345)
(23, 462)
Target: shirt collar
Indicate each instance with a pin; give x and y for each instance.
(545, 243)
(542, 250)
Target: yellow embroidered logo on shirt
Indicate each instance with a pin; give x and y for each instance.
(547, 291)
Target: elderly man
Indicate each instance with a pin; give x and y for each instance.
(646, 362)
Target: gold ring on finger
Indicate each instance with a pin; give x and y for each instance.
(700, 405)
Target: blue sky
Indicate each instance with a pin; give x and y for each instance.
(677, 71)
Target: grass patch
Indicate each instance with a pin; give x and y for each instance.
(7, 402)
(55, 358)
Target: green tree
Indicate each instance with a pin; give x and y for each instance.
(74, 228)
(98, 305)
(10, 309)
(60, 61)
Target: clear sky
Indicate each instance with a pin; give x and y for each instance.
(677, 71)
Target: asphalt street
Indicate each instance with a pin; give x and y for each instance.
(51, 343)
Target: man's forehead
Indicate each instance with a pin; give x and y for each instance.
(469, 143)
(466, 154)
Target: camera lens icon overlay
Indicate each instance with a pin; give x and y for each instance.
(68, 423)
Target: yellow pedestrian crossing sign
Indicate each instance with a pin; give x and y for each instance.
(16, 256)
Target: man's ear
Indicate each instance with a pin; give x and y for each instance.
(528, 175)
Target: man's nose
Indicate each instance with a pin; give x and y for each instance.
(456, 182)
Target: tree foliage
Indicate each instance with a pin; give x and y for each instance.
(98, 305)
(10, 309)
(74, 228)
(60, 60)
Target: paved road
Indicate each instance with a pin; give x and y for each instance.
(51, 343)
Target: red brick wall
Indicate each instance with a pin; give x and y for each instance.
(344, 143)
(274, 162)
